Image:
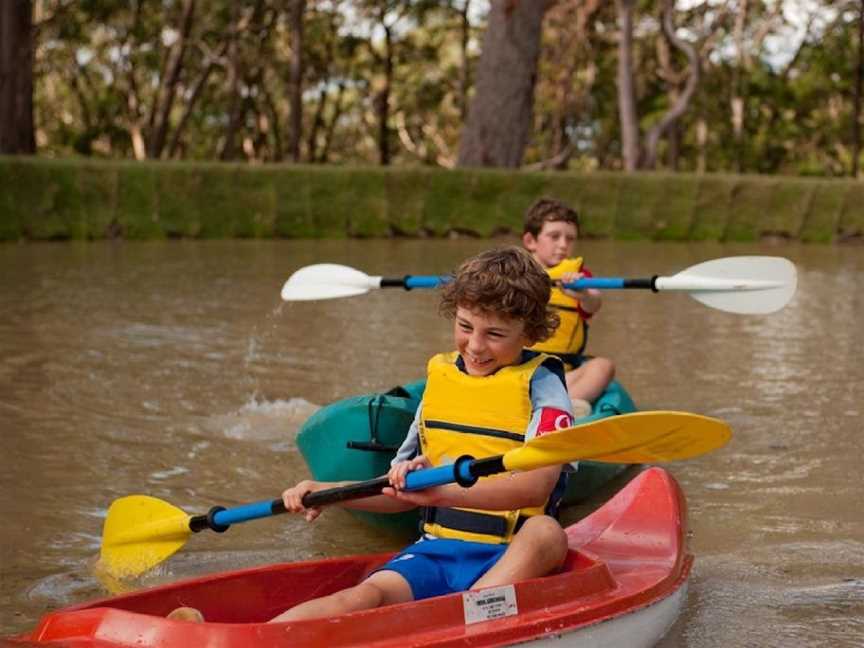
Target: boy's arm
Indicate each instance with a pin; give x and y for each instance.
(501, 493)
(292, 497)
(590, 300)
(293, 500)
(410, 447)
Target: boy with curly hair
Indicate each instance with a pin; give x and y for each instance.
(485, 398)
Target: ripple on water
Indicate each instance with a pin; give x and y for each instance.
(263, 420)
(809, 600)
(161, 475)
(717, 486)
(191, 564)
(59, 589)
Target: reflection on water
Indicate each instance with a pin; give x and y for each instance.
(172, 369)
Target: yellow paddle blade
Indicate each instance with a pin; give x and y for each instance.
(642, 437)
(140, 532)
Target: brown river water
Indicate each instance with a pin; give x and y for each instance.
(173, 369)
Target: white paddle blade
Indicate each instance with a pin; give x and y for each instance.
(327, 281)
(745, 284)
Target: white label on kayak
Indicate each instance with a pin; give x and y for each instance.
(491, 603)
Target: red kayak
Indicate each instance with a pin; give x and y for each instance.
(623, 585)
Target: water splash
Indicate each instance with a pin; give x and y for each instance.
(264, 420)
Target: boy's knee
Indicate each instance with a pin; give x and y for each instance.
(362, 596)
(604, 366)
(384, 587)
(546, 536)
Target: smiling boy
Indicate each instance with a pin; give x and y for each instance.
(551, 229)
(487, 397)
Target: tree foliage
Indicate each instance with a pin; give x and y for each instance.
(390, 82)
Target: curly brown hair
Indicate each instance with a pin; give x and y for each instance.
(548, 210)
(507, 282)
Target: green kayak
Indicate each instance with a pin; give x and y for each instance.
(355, 439)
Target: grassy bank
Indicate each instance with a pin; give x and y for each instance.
(73, 199)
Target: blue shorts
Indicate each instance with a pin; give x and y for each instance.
(438, 566)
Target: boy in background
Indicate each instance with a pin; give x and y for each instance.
(550, 231)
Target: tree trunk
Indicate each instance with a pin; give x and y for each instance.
(499, 119)
(673, 143)
(16, 77)
(236, 106)
(295, 78)
(626, 90)
(273, 115)
(464, 74)
(317, 124)
(737, 100)
(162, 111)
(856, 108)
(331, 127)
(197, 89)
(381, 101)
(701, 145)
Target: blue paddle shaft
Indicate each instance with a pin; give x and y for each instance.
(602, 283)
(219, 519)
(599, 283)
(427, 281)
(245, 512)
(459, 472)
(609, 283)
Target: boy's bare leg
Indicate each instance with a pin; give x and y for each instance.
(381, 588)
(538, 548)
(590, 379)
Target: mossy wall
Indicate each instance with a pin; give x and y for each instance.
(73, 199)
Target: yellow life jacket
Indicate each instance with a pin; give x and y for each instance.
(481, 416)
(569, 337)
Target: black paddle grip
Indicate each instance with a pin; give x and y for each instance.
(343, 493)
(392, 282)
(644, 284)
(488, 466)
(200, 522)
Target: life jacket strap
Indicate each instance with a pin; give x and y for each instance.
(572, 309)
(469, 521)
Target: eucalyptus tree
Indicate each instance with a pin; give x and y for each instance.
(857, 95)
(296, 9)
(500, 115)
(330, 76)
(643, 154)
(16, 77)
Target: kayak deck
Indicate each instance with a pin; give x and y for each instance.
(624, 558)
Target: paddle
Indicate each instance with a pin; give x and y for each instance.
(744, 284)
(142, 531)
